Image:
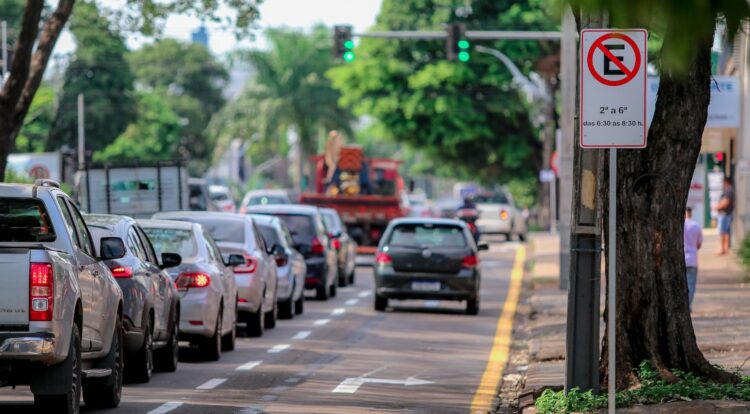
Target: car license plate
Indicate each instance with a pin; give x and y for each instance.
(425, 286)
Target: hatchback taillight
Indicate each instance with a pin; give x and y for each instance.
(41, 291)
(336, 243)
(470, 261)
(383, 259)
(316, 247)
(250, 266)
(122, 271)
(192, 280)
(281, 261)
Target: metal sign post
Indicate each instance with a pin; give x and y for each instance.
(613, 115)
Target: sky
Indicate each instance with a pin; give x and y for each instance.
(273, 13)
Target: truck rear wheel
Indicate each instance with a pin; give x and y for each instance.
(106, 392)
(70, 402)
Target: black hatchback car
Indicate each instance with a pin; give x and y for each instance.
(428, 259)
(152, 303)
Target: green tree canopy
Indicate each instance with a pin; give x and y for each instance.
(465, 114)
(38, 122)
(99, 71)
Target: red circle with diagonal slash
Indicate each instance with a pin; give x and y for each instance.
(629, 73)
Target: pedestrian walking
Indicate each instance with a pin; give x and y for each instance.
(693, 238)
(726, 209)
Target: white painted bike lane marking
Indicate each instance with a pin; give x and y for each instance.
(211, 384)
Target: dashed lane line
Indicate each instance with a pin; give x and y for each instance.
(166, 407)
(321, 322)
(338, 311)
(301, 335)
(211, 384)
(279, 348)
(364, 294)
(351, 302)
(249, 366)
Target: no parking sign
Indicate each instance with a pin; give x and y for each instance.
(613, 88)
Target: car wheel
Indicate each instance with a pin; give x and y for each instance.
(522, 237)
(106, 392)
(271, 316)
(286, 308)
(299, 305)
(342, 279)
(380, 303)
(167, 358)
(228, 341)
(322, 292)
(332, 291)
(255, 322)
(211, 347)
(142, 366)
(70, 402)
(472, 306)
(351, 277)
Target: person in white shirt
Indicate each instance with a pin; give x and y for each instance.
(693, 238)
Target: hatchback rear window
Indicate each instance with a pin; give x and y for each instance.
(333, 224)
(232, 231)
(172, 241)
(428, 235)
(498, 198)
(270, 235)
(301, 227)
(24, 220)
(263, 200)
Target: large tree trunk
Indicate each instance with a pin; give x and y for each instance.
(653, 319)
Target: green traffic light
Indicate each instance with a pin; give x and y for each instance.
(349, 44)
(348, 56)
(463, 44)
(464, 56)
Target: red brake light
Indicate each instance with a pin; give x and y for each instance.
(192, 280)
(383, 259)
(251, 265)
(41, 291)
(122, 271)
(281, 261)
(336, 244)
(470, 262)
(316, 247)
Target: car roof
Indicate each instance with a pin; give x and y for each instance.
(265, 219)
(167, 224)
(110, 221)
(427, 220)
(213, 215)
(276, 192)
(284, 209)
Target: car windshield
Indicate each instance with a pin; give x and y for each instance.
(427, 234)
(300, 226)
(269, 199)
(24, 220)
(270, 235)
(498, 198)
(172, 241)
(332, 222)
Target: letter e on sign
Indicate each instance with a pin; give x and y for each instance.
(613, 88)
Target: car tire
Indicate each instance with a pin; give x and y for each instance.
(380, 303)
(522, 237)
(228, 341)
(472, 306)
(167, 358)
(107, 392)
(140, 365)
(332, 290)
(342, 278)
(351, 277)
(272, 316)
(211, 347)
(286, 308)
(70, 402)
(255, 322)
(322, 293)
(299, 304)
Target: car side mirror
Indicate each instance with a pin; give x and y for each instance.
(170, 260)
(111, 248)
(236, 260)
(483, 247)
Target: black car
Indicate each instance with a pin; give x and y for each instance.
(428, 259)
(152, 303)
(310, 238)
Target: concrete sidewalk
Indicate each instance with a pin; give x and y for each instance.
(721, 317)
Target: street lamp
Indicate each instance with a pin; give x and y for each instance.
(533, 90)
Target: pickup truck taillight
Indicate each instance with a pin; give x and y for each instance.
(192, 280)
(41, 291)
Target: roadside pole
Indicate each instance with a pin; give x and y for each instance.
(81, 136)
(4, 30)
(568, 81)
(612, 281)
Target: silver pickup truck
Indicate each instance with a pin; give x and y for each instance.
(60, 307)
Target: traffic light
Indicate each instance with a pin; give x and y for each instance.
(343, 45)
(456, 44)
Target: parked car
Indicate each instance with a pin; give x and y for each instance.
(290, 265)
(222, 198)
(499, 215)
(256, 278)
(264, 197)
(151, 302)
(428, 259)
(345, 246)
(208, 292)
(310, 238)
(60, 307)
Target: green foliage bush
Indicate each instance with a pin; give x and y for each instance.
(653, 390)
(744, 255)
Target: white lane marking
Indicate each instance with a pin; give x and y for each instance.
(352, 302)
(338, 311)
(351, 385)
(301, 335)
(211, 384)
(165, 408)
(321, 322)
(432, 303)
(364, 294)
(279, 348)
(249, 366)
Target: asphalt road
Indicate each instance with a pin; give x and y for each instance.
(339, 357)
